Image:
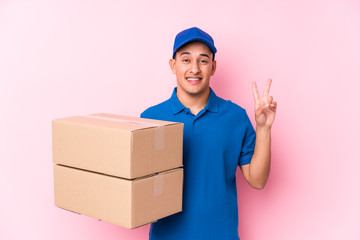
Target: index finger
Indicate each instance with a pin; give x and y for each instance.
(267, 88)
(255, 92)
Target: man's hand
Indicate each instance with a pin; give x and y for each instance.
(265, 108)
(257, 172)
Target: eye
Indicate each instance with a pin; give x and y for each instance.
(185, 60)
(203, 61)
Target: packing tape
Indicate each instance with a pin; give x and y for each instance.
(124, 121)
(158, 184)
(159, 137)
(159, 130)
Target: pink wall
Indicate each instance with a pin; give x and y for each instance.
(61, 58)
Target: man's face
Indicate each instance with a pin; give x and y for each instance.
(193, 66)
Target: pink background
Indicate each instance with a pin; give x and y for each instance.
(63, 58)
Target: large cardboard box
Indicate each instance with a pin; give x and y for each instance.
(128, 203)
(127, 147)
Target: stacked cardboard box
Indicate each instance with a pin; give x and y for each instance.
(119, 169)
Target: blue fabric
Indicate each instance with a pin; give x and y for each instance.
(216, 141)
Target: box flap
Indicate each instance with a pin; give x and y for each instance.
(143, 122)
(125, 125)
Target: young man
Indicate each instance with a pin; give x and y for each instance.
(218, 137)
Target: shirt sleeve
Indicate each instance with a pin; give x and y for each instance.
(149, 113)
(146, 114)
(248, 142)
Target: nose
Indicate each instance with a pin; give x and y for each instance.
(194, 68)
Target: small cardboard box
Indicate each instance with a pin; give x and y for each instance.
(127, 147)
(124, 202)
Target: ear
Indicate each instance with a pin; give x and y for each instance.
(172, 65)
(213, 68)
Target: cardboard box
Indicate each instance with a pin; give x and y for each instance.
(127, 147)
(124, 202)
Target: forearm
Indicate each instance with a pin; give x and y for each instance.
(260, 162)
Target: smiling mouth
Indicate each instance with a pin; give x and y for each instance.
(193, 79)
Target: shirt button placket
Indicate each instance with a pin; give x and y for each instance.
(195, 127)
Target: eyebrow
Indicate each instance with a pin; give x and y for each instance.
(204, 55)
(201, 54)
(184, 53)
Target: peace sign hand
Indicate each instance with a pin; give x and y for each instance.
(265, 108)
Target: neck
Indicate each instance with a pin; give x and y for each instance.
(196, 102)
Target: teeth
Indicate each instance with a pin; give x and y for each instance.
(193, 79)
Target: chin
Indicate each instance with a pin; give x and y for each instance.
(196, 92)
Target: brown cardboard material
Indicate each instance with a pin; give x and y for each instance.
(127, 147)
(124, 202)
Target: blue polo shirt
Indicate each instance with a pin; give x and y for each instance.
(216, 141)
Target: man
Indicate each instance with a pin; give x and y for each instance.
(218, 137)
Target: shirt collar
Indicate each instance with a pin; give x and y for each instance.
(177, 106)
(212, 105)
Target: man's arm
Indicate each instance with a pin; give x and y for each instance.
(257, 172)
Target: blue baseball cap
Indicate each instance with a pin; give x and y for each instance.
(191, 35)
